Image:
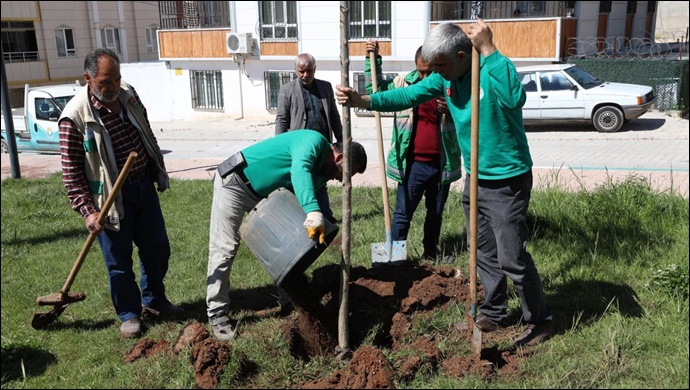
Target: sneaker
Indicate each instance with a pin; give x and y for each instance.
(222, 329)
(167, 309)
(131, 328)
(535, 334)
(486, 325)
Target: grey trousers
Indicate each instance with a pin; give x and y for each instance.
(502, 236)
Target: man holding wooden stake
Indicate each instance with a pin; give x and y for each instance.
(504, 166)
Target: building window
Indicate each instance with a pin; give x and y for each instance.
(604, 7)
(278, 20)
(207, 90)
(370, 19)
(194, 14)
(447, 10)
(110, 38)
(151, 39)
(531, 8)
(359, 85)
(214, 14)
(632, 7)
(273, 80)
(19, 42)
(64, 39)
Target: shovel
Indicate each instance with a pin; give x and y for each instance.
(60, 300)
(474, 180)
(389, 251)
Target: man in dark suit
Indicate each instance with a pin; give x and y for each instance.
(309, 103)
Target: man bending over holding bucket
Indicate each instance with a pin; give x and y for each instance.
(301, 161)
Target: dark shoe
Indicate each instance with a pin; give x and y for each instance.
(222, 329)
(535, 334)
(131, 328)
(286, 309)
(485, 324)
(167, 309)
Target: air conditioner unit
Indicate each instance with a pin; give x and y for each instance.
(239, 43)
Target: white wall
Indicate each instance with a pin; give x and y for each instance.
(672, 20)
(243, 80)
(165, 93)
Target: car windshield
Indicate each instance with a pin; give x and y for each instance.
(62, 101)
(583, 78)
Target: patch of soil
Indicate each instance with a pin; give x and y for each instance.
(209, 357)
(388, 300)
(385, 305)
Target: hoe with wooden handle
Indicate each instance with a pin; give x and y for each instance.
(60, 300)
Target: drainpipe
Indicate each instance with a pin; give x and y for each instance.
(233, 27)
(123, 32)
(239, 78)
(96, 23)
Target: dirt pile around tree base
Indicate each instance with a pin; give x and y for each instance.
(390, 308)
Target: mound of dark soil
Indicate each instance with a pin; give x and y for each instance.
(384, 304)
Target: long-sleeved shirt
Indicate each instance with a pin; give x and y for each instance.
(503, 148)
(293, 160)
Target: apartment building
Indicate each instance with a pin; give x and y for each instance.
(44, 42)
(227, 59)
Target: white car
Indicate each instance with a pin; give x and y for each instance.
(566, 93)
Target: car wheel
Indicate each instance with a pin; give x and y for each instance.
(5, 149)
(608, 119)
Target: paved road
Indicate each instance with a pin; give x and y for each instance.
(654, 146)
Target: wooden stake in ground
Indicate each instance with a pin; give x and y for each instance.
(474, 169)
(343, 331)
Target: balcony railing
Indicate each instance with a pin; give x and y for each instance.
(462, 10)
(21, 56)
(194, 14)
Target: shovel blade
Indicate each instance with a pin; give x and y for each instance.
(476, 338)
(388, 252)
(476, 342)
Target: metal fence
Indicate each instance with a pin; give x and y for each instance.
(669, 78)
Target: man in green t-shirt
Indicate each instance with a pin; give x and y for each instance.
(301, 161)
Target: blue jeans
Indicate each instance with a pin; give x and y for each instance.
(423, 179)
(144, 226)
(502, 236)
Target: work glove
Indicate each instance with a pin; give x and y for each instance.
(315, 226)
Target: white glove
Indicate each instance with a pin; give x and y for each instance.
(315, 226)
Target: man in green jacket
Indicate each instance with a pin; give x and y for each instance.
(504, 171)
(424, 156)
(301, 161)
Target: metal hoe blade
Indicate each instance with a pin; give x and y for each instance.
(42, 320)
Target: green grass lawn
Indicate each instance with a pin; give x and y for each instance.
(614, 263)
